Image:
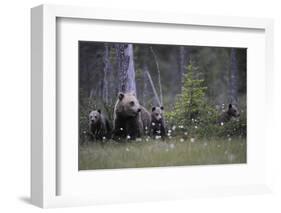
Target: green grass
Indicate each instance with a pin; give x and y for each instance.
(158, 153)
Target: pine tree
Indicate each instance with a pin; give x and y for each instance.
(191, 106)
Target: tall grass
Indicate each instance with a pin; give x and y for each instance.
(159, 153)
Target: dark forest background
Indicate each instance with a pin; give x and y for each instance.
(209, 77)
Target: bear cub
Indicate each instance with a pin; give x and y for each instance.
(99, 127)
(157, 125)
(231, 112)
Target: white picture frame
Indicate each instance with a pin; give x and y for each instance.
(44, 149)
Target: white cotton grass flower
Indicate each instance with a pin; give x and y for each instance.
(147, 139)
(181, 126)
(127, 149)
(121, 129)
(195, 127)
(103, 138)
(185, 133)
(181, 140)
(169, 131)
(222, 123)
(231, 157)
(157, 137)
(128, 137)
(229, 139)
(172, 146)
(153, 124)
(138, 139)
(174, 128)
(192, 140)
(169, 134)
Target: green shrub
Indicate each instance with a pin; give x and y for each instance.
(194, 116)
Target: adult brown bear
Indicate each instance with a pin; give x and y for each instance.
(130, 119)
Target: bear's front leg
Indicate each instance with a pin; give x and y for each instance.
(119, 129)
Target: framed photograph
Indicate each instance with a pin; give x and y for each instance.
(131, 106)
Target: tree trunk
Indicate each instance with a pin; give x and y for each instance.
(144, 79)
(159, 76)
(153, 88)
(183, 62)
(126, 70)
(106, 72)
(233, 76)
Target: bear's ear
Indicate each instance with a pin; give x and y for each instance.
(153, 108)
(99, 111)
(162, 108)
(121, 95)
(229, 106)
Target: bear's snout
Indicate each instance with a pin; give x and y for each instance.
(139, 109)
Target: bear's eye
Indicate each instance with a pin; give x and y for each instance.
(96, 116)
(234, 111)
(157, 114)
(132, 103)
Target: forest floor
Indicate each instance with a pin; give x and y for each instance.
(159, 153)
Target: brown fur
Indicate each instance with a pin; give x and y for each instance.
(226, 116)
(157, 125)
(99, 127)
(130, 118)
